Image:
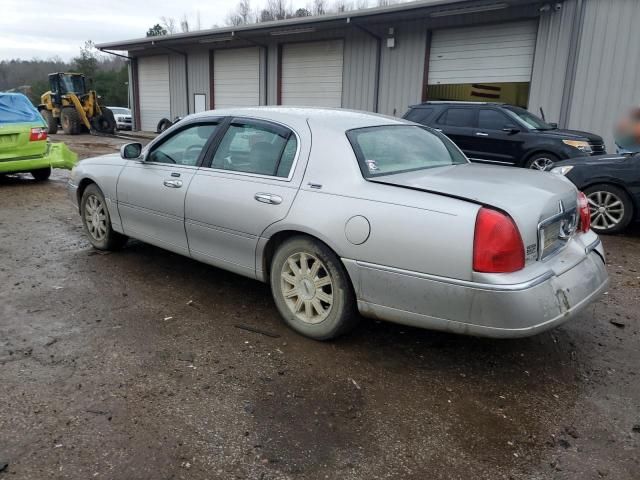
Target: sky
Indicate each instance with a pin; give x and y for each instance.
(43, 29)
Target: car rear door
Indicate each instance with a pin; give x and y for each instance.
(497, 139)
(459, 124)
(246, 186)
(151, 192)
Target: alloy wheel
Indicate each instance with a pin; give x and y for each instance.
(543, 164)
(95, 217)
(607, 210)
(307, 288)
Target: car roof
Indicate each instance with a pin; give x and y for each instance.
(338, 119)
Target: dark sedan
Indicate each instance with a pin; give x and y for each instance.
(612, 186)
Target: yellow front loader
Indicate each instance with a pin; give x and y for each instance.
(68, 103)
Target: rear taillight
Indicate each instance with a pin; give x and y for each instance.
(497, 246)
(38, 134)
(585, 214)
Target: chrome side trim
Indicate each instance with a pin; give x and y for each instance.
(463, 283)
(489, 161)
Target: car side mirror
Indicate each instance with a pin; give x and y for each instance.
(510, 129)
(131, 150)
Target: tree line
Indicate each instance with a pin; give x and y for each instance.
(244, 13)
(104, 73)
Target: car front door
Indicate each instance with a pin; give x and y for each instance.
(497, 139)
(458, 123)
(151, 191)
(245, 186)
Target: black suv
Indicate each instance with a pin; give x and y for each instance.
(504, 134)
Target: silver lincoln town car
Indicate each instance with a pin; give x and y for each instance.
(345, 212)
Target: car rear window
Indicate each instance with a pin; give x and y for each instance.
(389, 149)
(457, 117)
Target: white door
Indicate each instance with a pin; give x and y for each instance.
(312, 74)
(153, 85)
(236, 77)
(483, 54)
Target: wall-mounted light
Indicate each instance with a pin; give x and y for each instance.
(391, 39)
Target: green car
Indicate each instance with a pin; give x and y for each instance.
(24, 146)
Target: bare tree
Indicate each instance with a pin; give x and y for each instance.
(386, 3)
(244, 11)
(362, 4)
(169, 24)
(342, 6)
(184, 23)
(198, 22)
(277, 8)
(319, 7)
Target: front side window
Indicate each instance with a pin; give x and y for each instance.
(492, 120)
(457, 117)
(184, 147)
(256, 147)
(529, 119)
(386, 150)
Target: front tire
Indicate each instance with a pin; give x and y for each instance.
(41, 174)
(70, 120)
(97, 222)
(311, 289)
(610, 207)
(542, 161)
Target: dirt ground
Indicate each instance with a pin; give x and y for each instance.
(130, 366)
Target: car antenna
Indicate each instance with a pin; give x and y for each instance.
(542, 114)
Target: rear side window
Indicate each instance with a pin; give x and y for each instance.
(492, 120)
(457, 117)
(419, 115)
(256, 147)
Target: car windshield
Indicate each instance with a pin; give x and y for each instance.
(390, 149)
(529, 119)
(120, 110)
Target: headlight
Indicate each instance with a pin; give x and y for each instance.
(562, 170)
(579, 144)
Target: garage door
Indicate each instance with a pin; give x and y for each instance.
(236, 77)
(153, 80)
(312, 74)
(489, 53)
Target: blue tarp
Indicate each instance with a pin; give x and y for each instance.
(16, 108)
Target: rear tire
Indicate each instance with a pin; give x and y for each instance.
(50, 120)
(70, 120)
(41, 174)
(610, 207)
(542, 161)
(97, 222)
(163, 125)
(312, 290)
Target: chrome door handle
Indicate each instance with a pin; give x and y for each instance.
(173, 183)
(482, 134)
(268, 198)
(438, 130)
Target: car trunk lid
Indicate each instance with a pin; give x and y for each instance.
(539, 202)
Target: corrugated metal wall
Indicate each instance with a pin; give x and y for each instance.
(398, 91)
(177, 85)
(358, 79)
(198, 63)
(551, 60)
(607, 80)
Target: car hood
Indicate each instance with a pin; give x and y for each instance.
(572, 135)
(528, 196)
(109, 159)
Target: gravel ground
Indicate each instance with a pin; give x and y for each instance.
(130, 365)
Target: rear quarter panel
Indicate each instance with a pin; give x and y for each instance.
(410, 230)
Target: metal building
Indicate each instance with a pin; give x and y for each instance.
(577, 60)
